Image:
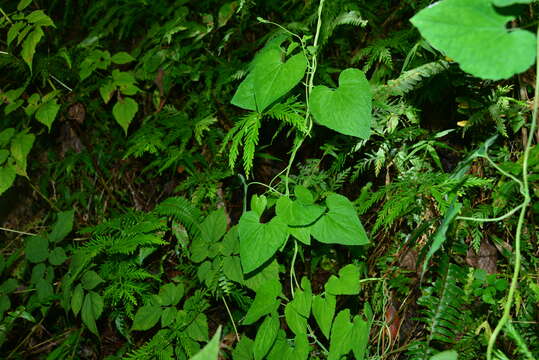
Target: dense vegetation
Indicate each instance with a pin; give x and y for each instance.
(278, 179)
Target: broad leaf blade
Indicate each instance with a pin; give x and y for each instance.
(473, 34)
(347, 109)
(124, 112)
(340, 225)
(259, 242)
(146, 317)
(211, 350)
(265, 337)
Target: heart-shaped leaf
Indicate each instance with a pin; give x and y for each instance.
(47, 113)
(346, 284)
(259, 242)
(347, 109)
(323, 311)
(269, 79)
(340, 225)
(341, 339)
(124, 111)
(473, 34)
(299, 217)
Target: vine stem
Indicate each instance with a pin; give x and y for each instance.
(292, 272)
(308, 90)
(527, 199)
(231, 318)
(17, 231)
(6, 16)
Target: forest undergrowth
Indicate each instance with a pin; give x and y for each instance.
(280, 179)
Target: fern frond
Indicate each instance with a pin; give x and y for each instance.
(153, 348)
(183, 212)
(350, 18)
(250, 142)
(443, 304)
(411, 79)
(244, 131)
(291, 112)
(128, 244)
(203, 125)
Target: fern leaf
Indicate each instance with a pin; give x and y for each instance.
(182, 211)
(443, 304)
(411, 79)
(290, 112)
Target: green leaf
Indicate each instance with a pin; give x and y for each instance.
(211, 350)
(299, 217)
(303, 195)
(265, 278)
(360, 334)
(323, 311)
(5, 304)
(474, 34)
(168, 316)
(106, 90)
(29, 45)
(341, 339)
(198, 328)
(146, 317)
(265, 336)
(280, 349)
(91, 310)
(21, 145)
(76, 299)
(273, 78)
(226, 11)
(7, 177)
(44, 290)
(440, 236)
(347, 109)
(302, 348)
(4, 154)
(14, 30)
(6, 135)
(245, 94)
(47, 113)
(298, 310)
(9, 286)
(124, 112)
(259, 242)
(39, 18)
(170, 294)
(244, 349)
(36, 249)
(122, 58)
(23, 4)
(63, 226)
(265, 302)
(90, 280)
(258, 204)
(445, 355)
(340, 225)
(270, 79)
(57, 256)
(502, 3)
(214, 226)
(346, 284)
